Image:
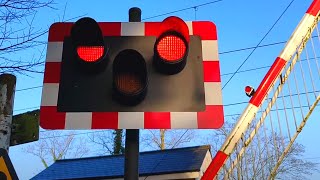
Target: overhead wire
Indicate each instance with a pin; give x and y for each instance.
(183, 9)
(270, 29)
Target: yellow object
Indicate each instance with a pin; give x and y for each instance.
(4, 168)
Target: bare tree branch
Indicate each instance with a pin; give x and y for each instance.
(18, 33)
(50, 150)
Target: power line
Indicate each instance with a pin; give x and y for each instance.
(29, 88)
(179, 10)
(258, 44)
(248, 48)
(74, 134)
(247, 70)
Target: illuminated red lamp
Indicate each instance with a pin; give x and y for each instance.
(90, 53)
(171, 46)
(89, 46)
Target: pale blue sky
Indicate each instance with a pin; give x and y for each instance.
(240, 24)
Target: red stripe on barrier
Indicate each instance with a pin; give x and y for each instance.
(159, 120)
(205, 29)
(50, 118)
(206, 120)
(104, 120)
(267, 81)
(314, 8)
(152, 28)
(52, 72)
(215, 166)
(110, 28)
(58, 31)
(211, 71)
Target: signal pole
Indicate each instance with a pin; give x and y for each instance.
(7, 90)
(131, 169)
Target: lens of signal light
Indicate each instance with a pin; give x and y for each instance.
(130, 78)
(90, 53)
(129, 83)
(171, 48)
(89, 49)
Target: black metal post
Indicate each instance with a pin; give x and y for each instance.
(131, 169)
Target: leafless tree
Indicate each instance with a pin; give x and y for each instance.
(108, 141)
(167, 138)
(112, 142)
(18, 33)
(260, 156)
(55, 145)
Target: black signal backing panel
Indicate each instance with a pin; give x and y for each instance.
(83, 92)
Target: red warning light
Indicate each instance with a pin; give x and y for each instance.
(171, 48)
(90, 53)
(175, 24)
(248, 89)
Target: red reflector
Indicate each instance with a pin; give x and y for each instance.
(128, 83)
(90, 53)
(171, 48)
(248, 89)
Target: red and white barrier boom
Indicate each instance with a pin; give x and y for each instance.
(282, 64)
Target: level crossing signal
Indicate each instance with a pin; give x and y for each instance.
(99, 74)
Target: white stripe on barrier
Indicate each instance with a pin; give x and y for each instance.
(54, 51)
(297, 37)
(53, 90)
(132, 29)
(213, 93)
(242, 124)
(210, 50)
(131, 120)
(184, 120)
(78, 120)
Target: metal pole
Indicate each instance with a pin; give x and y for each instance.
(7, 90)
(131, 169)
(135, 14)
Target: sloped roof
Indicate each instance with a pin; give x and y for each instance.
(158, 162)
